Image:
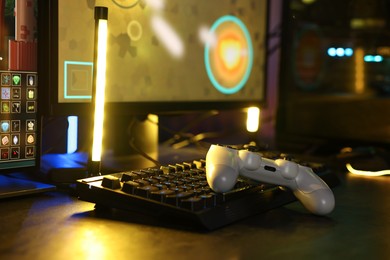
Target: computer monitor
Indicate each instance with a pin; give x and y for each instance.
(163, 56)
(20, 90)
(334, 89)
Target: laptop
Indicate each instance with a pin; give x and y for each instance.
(19, 114)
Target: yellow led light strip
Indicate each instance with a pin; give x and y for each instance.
(100, 89)
(366, 173)
(99, 85)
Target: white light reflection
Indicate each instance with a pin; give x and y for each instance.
(168, 37)
(157, 5)
(164, 31)
(207, 37)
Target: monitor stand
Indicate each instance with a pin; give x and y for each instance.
(11, 186)
(64, 168)
(130, 140)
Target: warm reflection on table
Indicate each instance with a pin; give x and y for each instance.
(55, 225)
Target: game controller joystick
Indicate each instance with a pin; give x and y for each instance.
(225, 164)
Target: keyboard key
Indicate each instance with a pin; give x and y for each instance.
(130, 186)
(129, 176)
(209, 200)
(200, 163)
(111, 182)
(160, 195)
(193, 203)
(167, 169)
(145, 191)
(190, 165)
(175, 199)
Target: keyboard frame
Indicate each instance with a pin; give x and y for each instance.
(257, 200)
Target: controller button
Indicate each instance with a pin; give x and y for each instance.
(288, 170)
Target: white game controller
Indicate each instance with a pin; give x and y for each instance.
(224, 165)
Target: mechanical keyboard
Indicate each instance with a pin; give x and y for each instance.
(180, 191)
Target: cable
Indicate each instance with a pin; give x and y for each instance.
(134, 146)
(184, 132)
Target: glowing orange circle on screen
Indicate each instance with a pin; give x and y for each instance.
(229, 60)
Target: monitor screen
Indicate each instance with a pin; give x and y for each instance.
(19, 123)
(335, 73)
(162, 56)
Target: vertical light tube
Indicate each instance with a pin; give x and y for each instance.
(253, 119)
(359, 71)
(71, 145)
(99, 85)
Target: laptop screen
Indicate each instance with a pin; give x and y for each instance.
(19, 84)
(18, 118)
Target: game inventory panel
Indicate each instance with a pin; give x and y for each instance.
(18, 119)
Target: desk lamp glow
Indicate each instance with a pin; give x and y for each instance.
(253, 119)
(99, 84)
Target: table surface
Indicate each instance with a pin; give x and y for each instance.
(56, 225)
